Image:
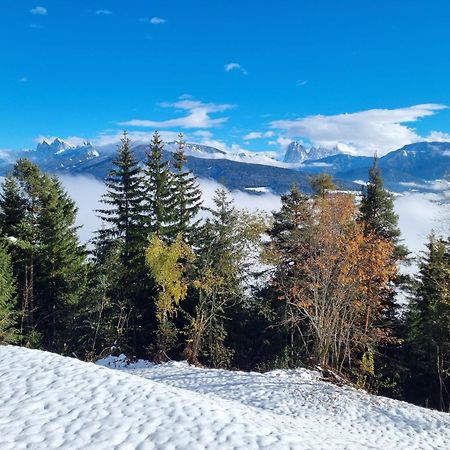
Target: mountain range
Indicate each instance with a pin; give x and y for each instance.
(414, 166)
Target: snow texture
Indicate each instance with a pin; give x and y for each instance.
(49, 401)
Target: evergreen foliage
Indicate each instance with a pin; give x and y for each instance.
(186, 196)
(9, 334)
(125, 232)
(428, 335)
(377, 210)
(313, 285)
(322, 183)
(48, 260)
(159, 202)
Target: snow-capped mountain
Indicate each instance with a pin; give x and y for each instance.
(63, 151)
(52, 148)
(297, 153)
(419, 164)
(196, 150)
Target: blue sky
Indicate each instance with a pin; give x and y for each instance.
(364, 74)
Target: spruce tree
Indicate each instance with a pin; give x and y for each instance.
(125, 229)
(9, 334)
(159, 202)
(123, 215)
(224, 250)
(377, 210)
(428, 325)
(290, 236)
(186, 196)
(378, 216)
(321, 184)
(19, 210)
(47, 258)
(60, 274)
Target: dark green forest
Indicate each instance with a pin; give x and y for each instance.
(311, 285)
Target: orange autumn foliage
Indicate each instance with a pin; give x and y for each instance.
(341, 279)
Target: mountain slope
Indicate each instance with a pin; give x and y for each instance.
(232, 174)
(415, 163)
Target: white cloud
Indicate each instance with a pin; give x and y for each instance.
(258, 135)
(153, 20)
(39, 10)
(86, 191)
(198, 116)
(36, 26)
(7, 156)
(362, 133)
(438, 136)
(23, 79)
(103, 12)
(203, 134)
(235, 66)
(419, 214)
(301, 82)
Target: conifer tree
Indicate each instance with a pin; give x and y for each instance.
(378, 216)
(186, 196)
(428, 322)
(123, 215)
(158, 207)
(9, 334)
(125, 230)
(226, 243)
(60, 276)
(321, 184)
(377, 210)
(102, 319)
(47, 258)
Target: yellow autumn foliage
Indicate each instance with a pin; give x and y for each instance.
(166, 262)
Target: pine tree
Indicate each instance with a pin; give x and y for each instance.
(102, 319)
(124, 198)
(377, 210)
(224, 251)
(12, 208)
(60, 272)
(19, 209)
(429, 329)
(125, 229)
(159, 202)
(186, 196)
(288, 248)
(9, 334)
(378, 216)
(321, 184)
(47, 258)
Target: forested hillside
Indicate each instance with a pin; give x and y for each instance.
(314, 284)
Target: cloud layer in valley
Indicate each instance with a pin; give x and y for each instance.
(419, 213)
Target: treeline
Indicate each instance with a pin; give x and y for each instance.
(313, 284)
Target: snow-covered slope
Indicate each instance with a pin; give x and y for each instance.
(48, 402)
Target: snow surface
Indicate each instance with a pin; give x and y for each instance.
(49, 401)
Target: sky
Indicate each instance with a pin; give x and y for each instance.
(367, 75)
